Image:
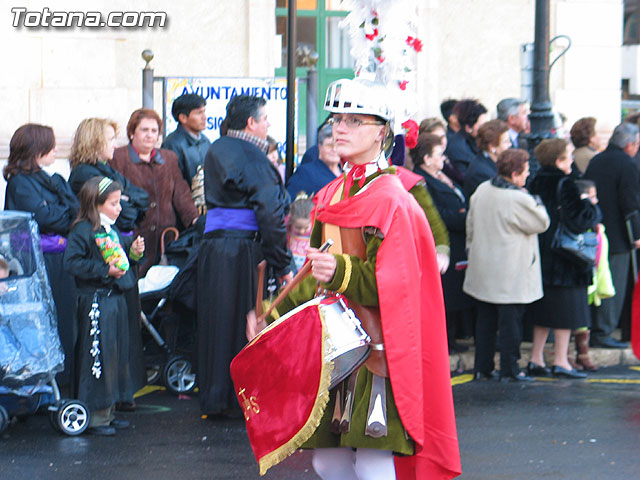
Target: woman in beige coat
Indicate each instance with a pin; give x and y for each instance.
(504, 263)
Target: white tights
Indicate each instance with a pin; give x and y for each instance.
(347, 464)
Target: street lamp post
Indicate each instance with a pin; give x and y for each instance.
(291, 84)
(147, 80)
(541, 116)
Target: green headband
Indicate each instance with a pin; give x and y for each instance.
(104, 184)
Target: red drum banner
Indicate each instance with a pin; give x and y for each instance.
(282, 384)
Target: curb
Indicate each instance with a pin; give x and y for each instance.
(602, 357)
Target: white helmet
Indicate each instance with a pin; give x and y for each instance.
(358, 96)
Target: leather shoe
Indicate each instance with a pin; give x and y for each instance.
(485, 376)
(535, 370)
(456, 347)
(520, 377)
(119, 424)
(102, 430)
(562, 372)
(126, 406)
(607, 342)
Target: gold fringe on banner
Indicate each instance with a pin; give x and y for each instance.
(322, 398)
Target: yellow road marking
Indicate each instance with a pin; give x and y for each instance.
(612, 380)
(459, 379)
(146, 390)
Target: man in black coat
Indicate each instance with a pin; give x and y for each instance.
(245, 201)
(616, 179)
(187, 141)
(462, 148)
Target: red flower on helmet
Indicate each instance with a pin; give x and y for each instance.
(411, 135)
(415, 43)
(371, 36)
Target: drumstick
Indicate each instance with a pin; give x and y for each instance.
(296, 280)
(262, 266)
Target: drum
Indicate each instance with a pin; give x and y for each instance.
(348, 344)
(283, 376)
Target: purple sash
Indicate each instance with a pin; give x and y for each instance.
(231, 219)
(52, 243)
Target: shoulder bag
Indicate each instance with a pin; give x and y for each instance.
(579, 248)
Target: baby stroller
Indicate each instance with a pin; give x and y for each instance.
(169, 360)
(30, 349)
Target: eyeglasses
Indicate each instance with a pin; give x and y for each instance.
(350, 122)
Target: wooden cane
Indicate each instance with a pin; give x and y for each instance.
(262, 266)
(176, 235)
(302, 273)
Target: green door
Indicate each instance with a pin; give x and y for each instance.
(318, 30)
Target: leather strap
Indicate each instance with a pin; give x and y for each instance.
(333, 231)
(262, 266)
(352, 242)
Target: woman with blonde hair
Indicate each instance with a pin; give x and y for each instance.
(93, 145)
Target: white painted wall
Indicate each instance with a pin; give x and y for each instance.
(471, 49)
(57, 77)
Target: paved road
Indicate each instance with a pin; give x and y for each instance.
(560, 430)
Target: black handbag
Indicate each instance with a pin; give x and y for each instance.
(579, 248)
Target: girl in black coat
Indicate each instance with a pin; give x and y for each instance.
(98, 258)
(54, 207)
(564, 305)
(93, 145)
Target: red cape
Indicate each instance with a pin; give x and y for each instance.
(413, 318)
(635, 320)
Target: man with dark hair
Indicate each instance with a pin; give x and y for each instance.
(515, 113)
(187, 141)
(245, 202)
(462, 148)
(446, 108)
(616, 179)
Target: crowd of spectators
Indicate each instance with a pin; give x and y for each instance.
(493, 222)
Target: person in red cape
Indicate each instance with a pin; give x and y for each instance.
(635, 320)
(408, 399)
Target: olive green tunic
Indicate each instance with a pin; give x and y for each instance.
(362, 288)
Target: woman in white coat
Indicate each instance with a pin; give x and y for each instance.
(504, 272)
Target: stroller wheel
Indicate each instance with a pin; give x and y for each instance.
(153, 374)
(71, 417)
(4, 419)
(178, 376)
